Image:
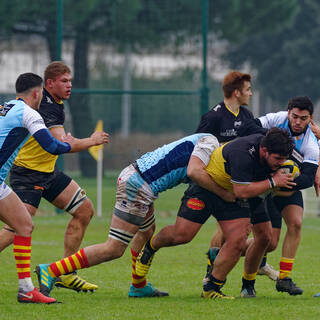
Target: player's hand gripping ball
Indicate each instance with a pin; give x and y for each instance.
(288, 166)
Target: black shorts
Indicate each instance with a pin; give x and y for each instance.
(31, 185)
(198, 204)
(282, 202)
(267, 211)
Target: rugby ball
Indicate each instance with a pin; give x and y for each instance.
(289, 166)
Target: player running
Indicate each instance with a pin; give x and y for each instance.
(242, 166)
(19, 119)
(138, 187)
(34, 175)
(296, 121)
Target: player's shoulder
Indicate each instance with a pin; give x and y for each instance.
(49, 104)
(245, 111)
(218, 108)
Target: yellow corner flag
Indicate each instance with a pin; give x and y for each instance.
(94, 151)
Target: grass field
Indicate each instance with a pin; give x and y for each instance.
(179, 270)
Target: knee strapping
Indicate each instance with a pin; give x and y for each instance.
(76, 201)
(121, 235)
(147, 224)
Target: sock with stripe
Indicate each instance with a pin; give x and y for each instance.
(214, 284)
(137, 281)
(264, 261)
(22, 255)
(286, 265)
(70, 264)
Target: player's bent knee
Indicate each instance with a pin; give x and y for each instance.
(78, 202)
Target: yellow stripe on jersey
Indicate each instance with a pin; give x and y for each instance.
(33, 157)
(216, 169)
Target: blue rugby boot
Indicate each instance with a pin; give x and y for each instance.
(46, 282)
(146, 292)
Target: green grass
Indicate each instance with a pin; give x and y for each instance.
(179, 270)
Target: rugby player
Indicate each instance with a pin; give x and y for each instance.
(18, 119)
(223, 121)
(296, 121)
(138, 186)
(35, 175)
(242, 166)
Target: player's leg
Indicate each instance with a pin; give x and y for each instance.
(236, 232)
(276, 219)
(234, 220)
(217, 239)
(64, 193)
(139, 286)
(262, 235)
(292, 213)
(29, 193)
(15, 215)
(120, 234)
(193, 212)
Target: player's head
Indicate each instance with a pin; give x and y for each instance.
(237, 84)
(300, 112)
(29, 87)
(275, 148)
(57, 79)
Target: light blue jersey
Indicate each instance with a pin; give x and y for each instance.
(166, 167)
(17, 122)
(306, 143)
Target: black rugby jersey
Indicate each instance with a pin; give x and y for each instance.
(222, 122)
(238, 162)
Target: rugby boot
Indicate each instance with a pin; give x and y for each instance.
(287, 285)
(74, 282)
(46, 282)
(215, 294)
(146, 292)
(268, 270)
(34, 296)
(248, 292)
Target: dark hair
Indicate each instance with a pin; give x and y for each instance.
(232, 81)
(302, 103)
(278, 141)
(28, 81)
(55, 69)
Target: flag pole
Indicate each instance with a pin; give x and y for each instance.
(99, 182)
(97, 154)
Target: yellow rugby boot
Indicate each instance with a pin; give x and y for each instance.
(74, 282)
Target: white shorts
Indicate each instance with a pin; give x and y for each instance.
(4, 190)
(134, 196)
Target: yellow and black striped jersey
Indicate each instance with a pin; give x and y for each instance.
(238, 162)
(32, 156)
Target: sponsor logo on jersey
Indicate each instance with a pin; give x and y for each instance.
(229, 133)
(5, 109)
(237, 124)
(216, 108)
(49, 100)
(195, 204)
(252, 150)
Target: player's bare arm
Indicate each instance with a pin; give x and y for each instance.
(254, 189)
(196, 171)
(77, 145)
